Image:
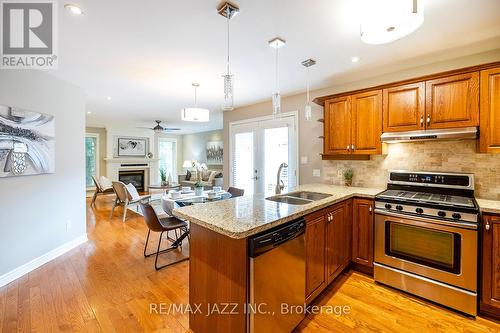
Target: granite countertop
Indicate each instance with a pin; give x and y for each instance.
(489, 206)
(245, 216)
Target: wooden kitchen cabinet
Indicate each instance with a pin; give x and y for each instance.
(315, 254)
(490, 270)
(404, 108)
(452, 101)
(362, 233)
(337, 127)
(489, 141)
(367, 123)
(338, 239)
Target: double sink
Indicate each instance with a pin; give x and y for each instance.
(299, 198)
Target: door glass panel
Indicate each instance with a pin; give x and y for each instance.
(243, 162)
(90, 160)
(275, 152)
(167, 156)
(425, 246)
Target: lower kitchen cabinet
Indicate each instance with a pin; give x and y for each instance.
(490, 270)
(362, 234)
(338, 240)
(315, 254)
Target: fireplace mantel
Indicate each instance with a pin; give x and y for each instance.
(130, 160)
(149, 165)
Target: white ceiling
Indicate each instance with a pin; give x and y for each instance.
(146, 54)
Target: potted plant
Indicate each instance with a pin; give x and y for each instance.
(198, 188)
(348, 174)
(163, 177)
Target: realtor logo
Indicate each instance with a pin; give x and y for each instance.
(29, 34)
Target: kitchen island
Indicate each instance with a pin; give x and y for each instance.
(219, 266)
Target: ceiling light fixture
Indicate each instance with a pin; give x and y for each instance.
(195, 113)
(308, 109)
(277, 43)
(73, 9)
(228, 10)
(354, 59)
(384, 21)
(89, 112)
(108, 98)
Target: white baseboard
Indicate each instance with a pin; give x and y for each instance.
(43, 259)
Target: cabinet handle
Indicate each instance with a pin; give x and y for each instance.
(353, 147)
(370, 209)
(487, 226)
(428, 119)
(348, 147)
(421, 121)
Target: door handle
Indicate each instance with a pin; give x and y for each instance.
(428, 119)
(487, 226)
(348, 148)
(421, 121)
(370, 209)
(353, 147)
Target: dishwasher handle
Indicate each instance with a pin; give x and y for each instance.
(270, 239)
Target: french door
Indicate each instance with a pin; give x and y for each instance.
(257, 149)
(91, 158)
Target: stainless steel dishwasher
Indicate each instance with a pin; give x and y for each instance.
(277, 278)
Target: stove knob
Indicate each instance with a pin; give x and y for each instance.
(388, 206)
(419, 210)
(441, 213)
(398, 207)
(456, 216)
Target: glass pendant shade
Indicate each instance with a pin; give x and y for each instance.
(384, 21)
(308, 111)
(228, 92)
(276, 103)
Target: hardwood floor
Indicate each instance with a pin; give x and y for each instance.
(107, 285)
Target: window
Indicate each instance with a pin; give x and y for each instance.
(167, 153)
(91, 158)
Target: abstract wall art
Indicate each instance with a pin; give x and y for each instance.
(132, 147)
(215, 152)
(27, 142)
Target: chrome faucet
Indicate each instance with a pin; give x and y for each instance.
(279, 183)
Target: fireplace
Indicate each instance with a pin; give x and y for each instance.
(135, 177)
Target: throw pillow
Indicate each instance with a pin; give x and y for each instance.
(132, 191)
(188, 175)
(205, 175)
(212, 176)
(105, 182)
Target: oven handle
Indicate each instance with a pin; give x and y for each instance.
(462, 225)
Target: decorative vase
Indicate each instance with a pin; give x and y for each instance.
(348, 182)
(163, 183)
(198, 190)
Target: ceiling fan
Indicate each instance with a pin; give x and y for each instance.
(160, 129)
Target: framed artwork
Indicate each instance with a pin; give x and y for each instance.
(27, 142)
(136, 147)
(215, 152)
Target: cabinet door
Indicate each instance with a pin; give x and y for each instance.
(337, 126)
(490, 298)
(452, 101)
(362, 232)
(404, 108)
(367, 123)
(489, 140)
(337, 250)
(315, 254)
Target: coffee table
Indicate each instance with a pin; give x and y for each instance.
(164, 187)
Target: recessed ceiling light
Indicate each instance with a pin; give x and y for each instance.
(354, 59)
(108, 98)
(73, 9)
(89, 112)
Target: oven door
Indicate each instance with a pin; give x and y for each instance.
(433, 249)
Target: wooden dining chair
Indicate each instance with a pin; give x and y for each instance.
(125, 199)
(99, 190)
(161, 225)
(236, 192)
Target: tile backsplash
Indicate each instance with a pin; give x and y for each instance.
(454, 156)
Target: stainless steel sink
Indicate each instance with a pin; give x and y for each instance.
(299, 198)
(314, 196)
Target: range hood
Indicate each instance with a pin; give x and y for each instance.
(430, 135)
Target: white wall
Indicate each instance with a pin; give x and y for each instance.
(34, 210)
(194, 146)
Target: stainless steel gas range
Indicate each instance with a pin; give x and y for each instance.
(426, 237)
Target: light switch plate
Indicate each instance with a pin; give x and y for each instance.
(303, 160)
(316, 173)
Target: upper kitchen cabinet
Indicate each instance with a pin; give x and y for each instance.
(452, 101)
(337, 127)
(367, 123)
(489, 141)
(404, 108)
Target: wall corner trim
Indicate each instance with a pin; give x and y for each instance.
(43, 259)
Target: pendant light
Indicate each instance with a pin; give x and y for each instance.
(277, 43)
(384, 21)
(195, 113)
(228, 10)
(308, 108)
